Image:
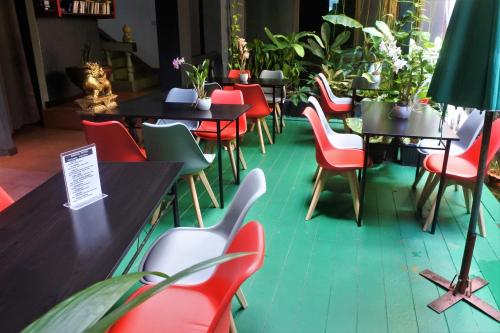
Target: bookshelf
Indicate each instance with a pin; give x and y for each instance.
(101, 9)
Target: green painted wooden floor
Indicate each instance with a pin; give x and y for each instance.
(327, 275)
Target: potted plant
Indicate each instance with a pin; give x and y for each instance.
(77, 74)
(243, 55)
(494, 174)
(198, 76)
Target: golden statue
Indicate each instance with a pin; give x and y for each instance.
(100, 96)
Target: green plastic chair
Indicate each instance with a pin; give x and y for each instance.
(175, 143)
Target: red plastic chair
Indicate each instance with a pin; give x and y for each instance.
(461, 170)
(253, 95)
(205, 307)
(5, 199)
(228, 134)
(113, 142)
(235, 74)
(333, 161)
(331, 108)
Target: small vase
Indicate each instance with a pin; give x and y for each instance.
(401, 111)
(204, 103)
(244, 77)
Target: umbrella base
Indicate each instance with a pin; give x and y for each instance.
(452, 297)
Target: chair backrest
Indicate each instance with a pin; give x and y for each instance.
(471, 128)
(230, 97)
(322, 142)
(229, 276)
(254, 96)
(210, 87)
(113, 142)
(269, 74)
(5, 199)
(252, 188)
(173, 143)
(235, 73)
(181, 95)
(321, 114)
(472, 154)
(326, 84)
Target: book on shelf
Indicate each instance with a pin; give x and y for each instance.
(90, 7)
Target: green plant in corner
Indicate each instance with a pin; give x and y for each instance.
(91, 310)
(234, 31)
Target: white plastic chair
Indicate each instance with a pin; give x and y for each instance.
(180, 95)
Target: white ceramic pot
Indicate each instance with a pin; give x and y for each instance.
(204, 103)
(401, 111)
(244, 77)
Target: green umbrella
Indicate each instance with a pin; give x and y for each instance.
(468, 74)
(468, 69)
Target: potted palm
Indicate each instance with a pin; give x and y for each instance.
(198, 76)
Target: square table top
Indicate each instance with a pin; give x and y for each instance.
(278, 83)
(154, 106)
(423, 124)
(49, 252)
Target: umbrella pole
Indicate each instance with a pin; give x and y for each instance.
(465, 287)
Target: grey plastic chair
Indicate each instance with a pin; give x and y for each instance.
(179, 95)
(268, 91)
(180, 248)
(175, 143)
(467, 133)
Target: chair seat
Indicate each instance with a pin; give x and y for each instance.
(269, 98)
(345, 141)
(174, 310)
(181, 248)
(227, 134)
(342, 160)
(458, 168)
(455, 148)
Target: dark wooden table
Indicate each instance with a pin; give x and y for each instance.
(49, 252)
(269, 83)
(422, 124)
(153, 106)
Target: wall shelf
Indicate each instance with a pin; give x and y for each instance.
(99, 9)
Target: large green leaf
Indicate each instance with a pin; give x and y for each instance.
(341, 39)
(325, 33)
(315, 48)
(343, 20)
(272, 38)
(299, 49)
(382, 26)
(87, 306)
(373, 32)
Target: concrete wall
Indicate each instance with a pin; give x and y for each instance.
(280, 16)
(141, 17)
(61, 41)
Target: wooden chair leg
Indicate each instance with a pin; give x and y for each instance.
(318, 175)
(420, 174)
(278, 108)
(432, 182)
(206, 183)
(353, 184)
(316, 172)
(232, 325)
(480, 222)
(316, 193)
(198, 139)
(428, 220)
(277, 121)
(266, 129)
(196, 204)
(466, 198)
(242, 160)
(252, 126)
(261, 138)
(230, 151)
(468, 202)
(241, 298)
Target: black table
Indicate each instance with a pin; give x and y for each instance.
(49, 252)
(153, 106)
(422, 124)
(269, 83)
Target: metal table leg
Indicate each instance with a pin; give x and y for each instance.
(175, 206)
(417, 169)
(363, 182)
(281, 108)
(219, 164)
(274, 114)
(238, 150)
(442, 182)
